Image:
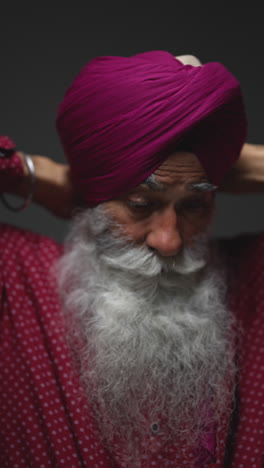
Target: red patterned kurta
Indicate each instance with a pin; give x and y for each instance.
(45, 419)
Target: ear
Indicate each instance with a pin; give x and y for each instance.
(189, 60)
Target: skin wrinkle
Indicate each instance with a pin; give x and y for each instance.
(154, 185)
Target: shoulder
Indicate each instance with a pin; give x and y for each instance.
(244, 257)
(244, 250)
(22, 245)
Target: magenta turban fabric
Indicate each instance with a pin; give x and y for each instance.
(122, 116)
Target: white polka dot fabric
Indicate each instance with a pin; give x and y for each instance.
(247, 302)
(44, 419)
(44, 415)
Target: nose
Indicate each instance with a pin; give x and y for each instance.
(164, 235)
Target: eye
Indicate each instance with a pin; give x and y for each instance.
(139, 206)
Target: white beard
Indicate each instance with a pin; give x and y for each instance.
(155, 335)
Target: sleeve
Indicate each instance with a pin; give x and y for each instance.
(11, 167)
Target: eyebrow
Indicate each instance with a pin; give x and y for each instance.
(154, 185)
(204, 186)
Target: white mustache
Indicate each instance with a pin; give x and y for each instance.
(140, 260)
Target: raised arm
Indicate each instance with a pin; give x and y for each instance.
(52, 188)
(247, 176)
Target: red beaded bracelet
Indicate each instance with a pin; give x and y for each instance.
(13, 164)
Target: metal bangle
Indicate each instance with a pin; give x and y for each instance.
(27, 201)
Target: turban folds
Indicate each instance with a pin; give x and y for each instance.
(122, 116)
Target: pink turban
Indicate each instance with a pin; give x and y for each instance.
(122, 116)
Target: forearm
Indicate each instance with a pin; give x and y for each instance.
(52, 188)
(247, 175)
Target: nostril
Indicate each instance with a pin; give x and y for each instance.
(151, 249)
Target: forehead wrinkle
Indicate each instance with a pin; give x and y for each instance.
(181, 161)
(179, 169)
(172, 171)
(183, 179)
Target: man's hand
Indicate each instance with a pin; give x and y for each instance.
(53, 188)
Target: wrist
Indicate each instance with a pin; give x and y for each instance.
(11, 166)
(22, 186)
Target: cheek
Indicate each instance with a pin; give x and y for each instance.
(192, 229)
(134, 232)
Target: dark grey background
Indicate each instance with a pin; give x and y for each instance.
(43, 48)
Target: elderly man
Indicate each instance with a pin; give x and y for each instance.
(139, 343)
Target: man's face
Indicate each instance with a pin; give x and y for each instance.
(167, 211)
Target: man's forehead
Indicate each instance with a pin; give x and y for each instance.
(180, 168)
(182, 164)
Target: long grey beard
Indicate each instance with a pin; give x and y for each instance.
(155, 333)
